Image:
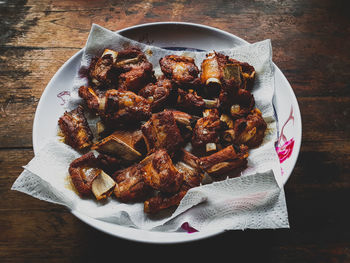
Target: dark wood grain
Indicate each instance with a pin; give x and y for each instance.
(310, 45)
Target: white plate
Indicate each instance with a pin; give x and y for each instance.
(173, 35)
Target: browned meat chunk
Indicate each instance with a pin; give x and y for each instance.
(136, 70)
(91, 97)
(160, 172)
(130, 184)
(157, 94)
(221, 72)
(162, 201)
(122, 143)
(101, 70)
(248, 74)
(206, 131)
(224, 161)
(192, 176)
(190, 101)
(239, 104)
(85, 169)
(249, 131)
(75, 129)
(180, 69)
(161, 132)
(117, 106)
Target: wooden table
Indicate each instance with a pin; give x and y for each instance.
(311, 46)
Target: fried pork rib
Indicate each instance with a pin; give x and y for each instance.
(157, 94)
(160, 172)
(129, 68)
(180, 69)
(192, 176)
(136, 70)
(249, 131)
(221, 72)
(161, 132)
(126, 144)
(131, 186)
(75, 129)
(85, 169)
(116, 106)
(206, 130)
(155, 172)
(101, 70)
(238, 104)
(224, 161)
(190, 101)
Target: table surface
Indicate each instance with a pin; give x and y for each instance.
(310, 42)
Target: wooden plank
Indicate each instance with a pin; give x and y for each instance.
(24, 74)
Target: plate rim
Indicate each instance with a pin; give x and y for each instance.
(157, 236)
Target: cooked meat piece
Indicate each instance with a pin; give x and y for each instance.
(185, 122)
(190, 101)
(161, 132)
(91, 97)
(239, 104)
(136, 70)
(83, 171)
(189, 166)
(108, 163)
(180, 69)
(247, 75)
(206, 130)
(137, 77)
(125, 107)
(160, 172)
(117, 106)
(130, 184)
(101, 70)
(122, 143)
(162, 201)
(75, 129)
(219, 72)
(249, 131)
(157, 94)
(192, 176)
(224, 161)
(86, 168)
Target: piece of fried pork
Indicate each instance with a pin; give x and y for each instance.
(116, 107)
(182, 70)
(88, 176)
(206, 131)
(136, 70)
(249, 130)
(162, 132)
(157, 94)
(225, 160)
(188, 165)
(75, 129)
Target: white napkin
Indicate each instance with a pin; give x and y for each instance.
(254, 200)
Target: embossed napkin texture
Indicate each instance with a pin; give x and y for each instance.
(254, 200)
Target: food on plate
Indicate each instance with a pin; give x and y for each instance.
(206, 131)
(123, 143)
(162, 132)
(157, 94)
(116, 106)
(75, 129)
(180, 69)
(158, 137)
(85, 170)
(225, 160)
(248, 130)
